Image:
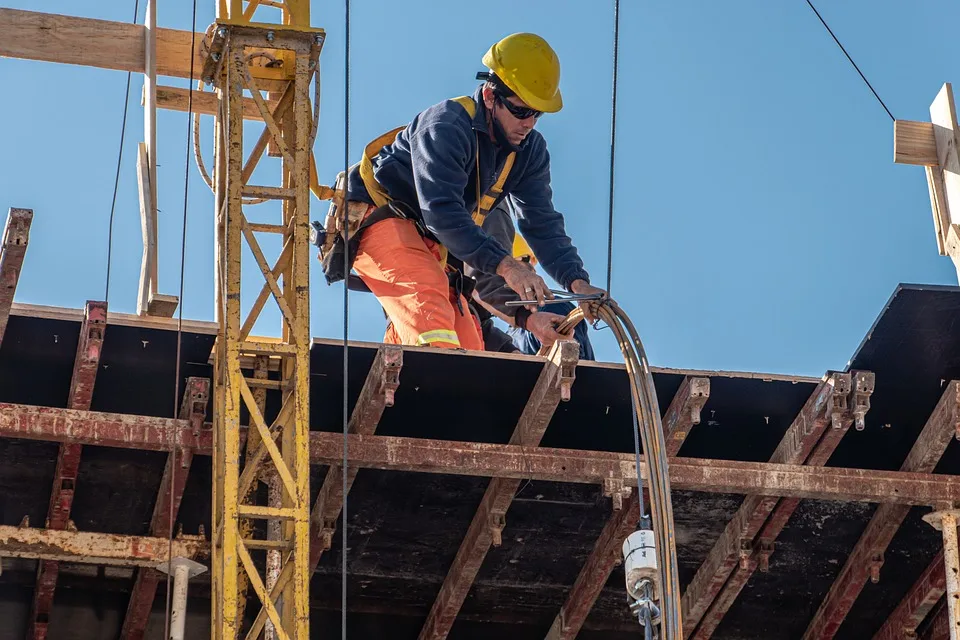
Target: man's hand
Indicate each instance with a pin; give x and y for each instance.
(523, 280)
(543, 325)
(590, 307)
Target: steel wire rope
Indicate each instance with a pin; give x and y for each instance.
(346, 313)
(176, 381)
(842, 48)
(613, 137)
(116, 180)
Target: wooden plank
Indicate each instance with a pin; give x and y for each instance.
(867, 556)
(377, 394)
(104, 44)
(943, 115)
(682, 414)
(917, 604)
(489, 520)
(148, 230)
(821, 409)
(204, 102)
(13, 249)
(914, 143)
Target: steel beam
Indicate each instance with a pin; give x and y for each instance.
(925, 593)
(824, 407)
(376, 395)
(86, 363)
(95, 548)
(193, 409)
(16, 235)
(755, 554)
(682, 414)
(865, 560)
(489, 520)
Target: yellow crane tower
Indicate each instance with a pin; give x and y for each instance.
(242, 55)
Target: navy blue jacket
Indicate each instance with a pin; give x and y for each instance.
(431, 166)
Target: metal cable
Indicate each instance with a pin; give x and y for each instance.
(835, 39)
(613, 135)
(346, 311)
(116, 180)
(176, 381)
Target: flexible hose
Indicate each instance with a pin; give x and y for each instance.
(645, 403)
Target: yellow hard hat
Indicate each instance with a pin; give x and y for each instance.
(530, 68)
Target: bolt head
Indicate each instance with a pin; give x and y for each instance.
(269, 36)
(222, 32)
(215, 56)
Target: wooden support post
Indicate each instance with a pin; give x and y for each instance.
(86, 364)
(150, 127)
(682, 414)
(865, 560)
(755, 554)
(825, 407)
(377, 394)
(13, 248)
(934, 145)
(193, 409)
(489, 521)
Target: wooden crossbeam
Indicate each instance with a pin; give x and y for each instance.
(104, 44)
(755, 554)
(823, 408)
(488, 522)
(86, 364)
(13, 248)
(865, 560)
(682, 414)
(193, 409)
(376, 395)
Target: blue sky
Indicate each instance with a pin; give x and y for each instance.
(761, 223)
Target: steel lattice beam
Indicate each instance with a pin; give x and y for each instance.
(865, 560)
(489, 520)
(681, 416)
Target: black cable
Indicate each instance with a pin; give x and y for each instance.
(116, 180)
(183, 250)
(830, 31)
(346, 309)
(613, 135)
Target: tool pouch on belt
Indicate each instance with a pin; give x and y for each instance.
(332, 240)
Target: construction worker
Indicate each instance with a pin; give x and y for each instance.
(491, 294)
(420, 193)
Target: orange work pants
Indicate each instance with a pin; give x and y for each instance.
(402, 269)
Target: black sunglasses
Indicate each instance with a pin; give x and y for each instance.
(520, 113)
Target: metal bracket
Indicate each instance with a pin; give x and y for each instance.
(746, 553)
(390, 381)
(567, 377)
(497, 522)
(765, 551)
(876, 562)
(863, 385)
(617, 490)
(839, 400)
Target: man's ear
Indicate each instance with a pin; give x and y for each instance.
(488, 96)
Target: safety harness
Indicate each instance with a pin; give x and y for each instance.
(360, 218)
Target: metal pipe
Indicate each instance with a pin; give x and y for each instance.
(946, 521)
(183, 570)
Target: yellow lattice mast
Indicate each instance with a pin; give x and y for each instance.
(242, 59)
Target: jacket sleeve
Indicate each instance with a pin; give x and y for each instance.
(440, 153)
(491, 288)
(542, 225)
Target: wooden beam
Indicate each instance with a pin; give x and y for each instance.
(13, 249)
(104, 44)
(489, 520)
(823, 408)
(193, 409)
(682, 414)
(865, 560)
(917, 604)
(377, 394)
(105, 549)
(755, 554)
(914, 143)
(204, 102)
(148, 227)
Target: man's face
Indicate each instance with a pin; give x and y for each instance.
(516, 129)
